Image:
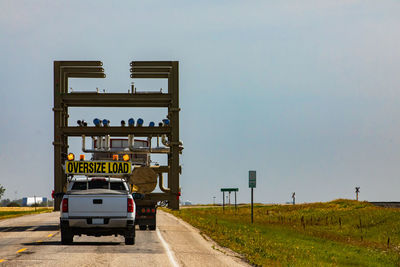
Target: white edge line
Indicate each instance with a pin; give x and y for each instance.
(169, 251)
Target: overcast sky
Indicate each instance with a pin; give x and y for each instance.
(305, 92)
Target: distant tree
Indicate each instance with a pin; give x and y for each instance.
(13, 204)
(4, 202)
(18, 201)
(2, 190)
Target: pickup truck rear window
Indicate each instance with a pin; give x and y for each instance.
(98, 184)
(79, 186)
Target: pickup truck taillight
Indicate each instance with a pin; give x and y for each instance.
(65, 205)
(130, 205)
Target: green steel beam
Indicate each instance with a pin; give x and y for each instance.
(151, 63)
(85, 75)
(150, 75)
(80, 63)
(82, 69)
(150, 69)
(173, 115)
(116, 99)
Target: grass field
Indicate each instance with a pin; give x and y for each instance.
(337, 233)
(10, 212)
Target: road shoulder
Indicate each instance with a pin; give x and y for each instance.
(193, 248)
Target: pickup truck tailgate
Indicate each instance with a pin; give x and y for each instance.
(97, 205)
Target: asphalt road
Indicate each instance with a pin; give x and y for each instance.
(34, 240)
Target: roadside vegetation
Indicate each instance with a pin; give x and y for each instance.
(337, 233)
(10, 212)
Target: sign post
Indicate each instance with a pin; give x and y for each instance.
(252, 184)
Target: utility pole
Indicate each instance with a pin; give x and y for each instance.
(294, 197)
(214, 201)
(357, 191)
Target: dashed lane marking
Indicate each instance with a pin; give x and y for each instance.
(50, 235)
(2, 260)
(21, 250)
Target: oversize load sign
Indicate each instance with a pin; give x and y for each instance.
(97, 167)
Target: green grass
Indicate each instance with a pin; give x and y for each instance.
(337, 233)
(6, 212)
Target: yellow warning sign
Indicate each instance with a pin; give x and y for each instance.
(98, 167)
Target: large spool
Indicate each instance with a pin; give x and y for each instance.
(144, 180)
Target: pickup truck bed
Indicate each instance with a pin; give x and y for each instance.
(97, 212)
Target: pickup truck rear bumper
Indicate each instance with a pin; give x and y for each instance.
(114, 226)
(90, 222)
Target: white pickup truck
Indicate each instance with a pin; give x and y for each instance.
(97, 206)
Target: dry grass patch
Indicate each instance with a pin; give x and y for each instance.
(11, 212)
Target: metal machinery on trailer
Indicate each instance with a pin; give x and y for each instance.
(109, 142)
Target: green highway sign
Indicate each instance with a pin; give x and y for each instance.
(229, 189)
(252, 179)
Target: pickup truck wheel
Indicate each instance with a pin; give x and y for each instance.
(142, 227)
(152, 227)
(130, 236)
(66, 237)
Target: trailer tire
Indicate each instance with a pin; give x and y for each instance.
(152, 227)
(129, 240)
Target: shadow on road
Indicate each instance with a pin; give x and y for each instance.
(58, 243)
(51, 227)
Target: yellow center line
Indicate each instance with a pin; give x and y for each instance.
(22, 249)
(50, 235)
(39, 241)
(2, 260)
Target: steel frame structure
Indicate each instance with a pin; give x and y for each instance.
(63, 70)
